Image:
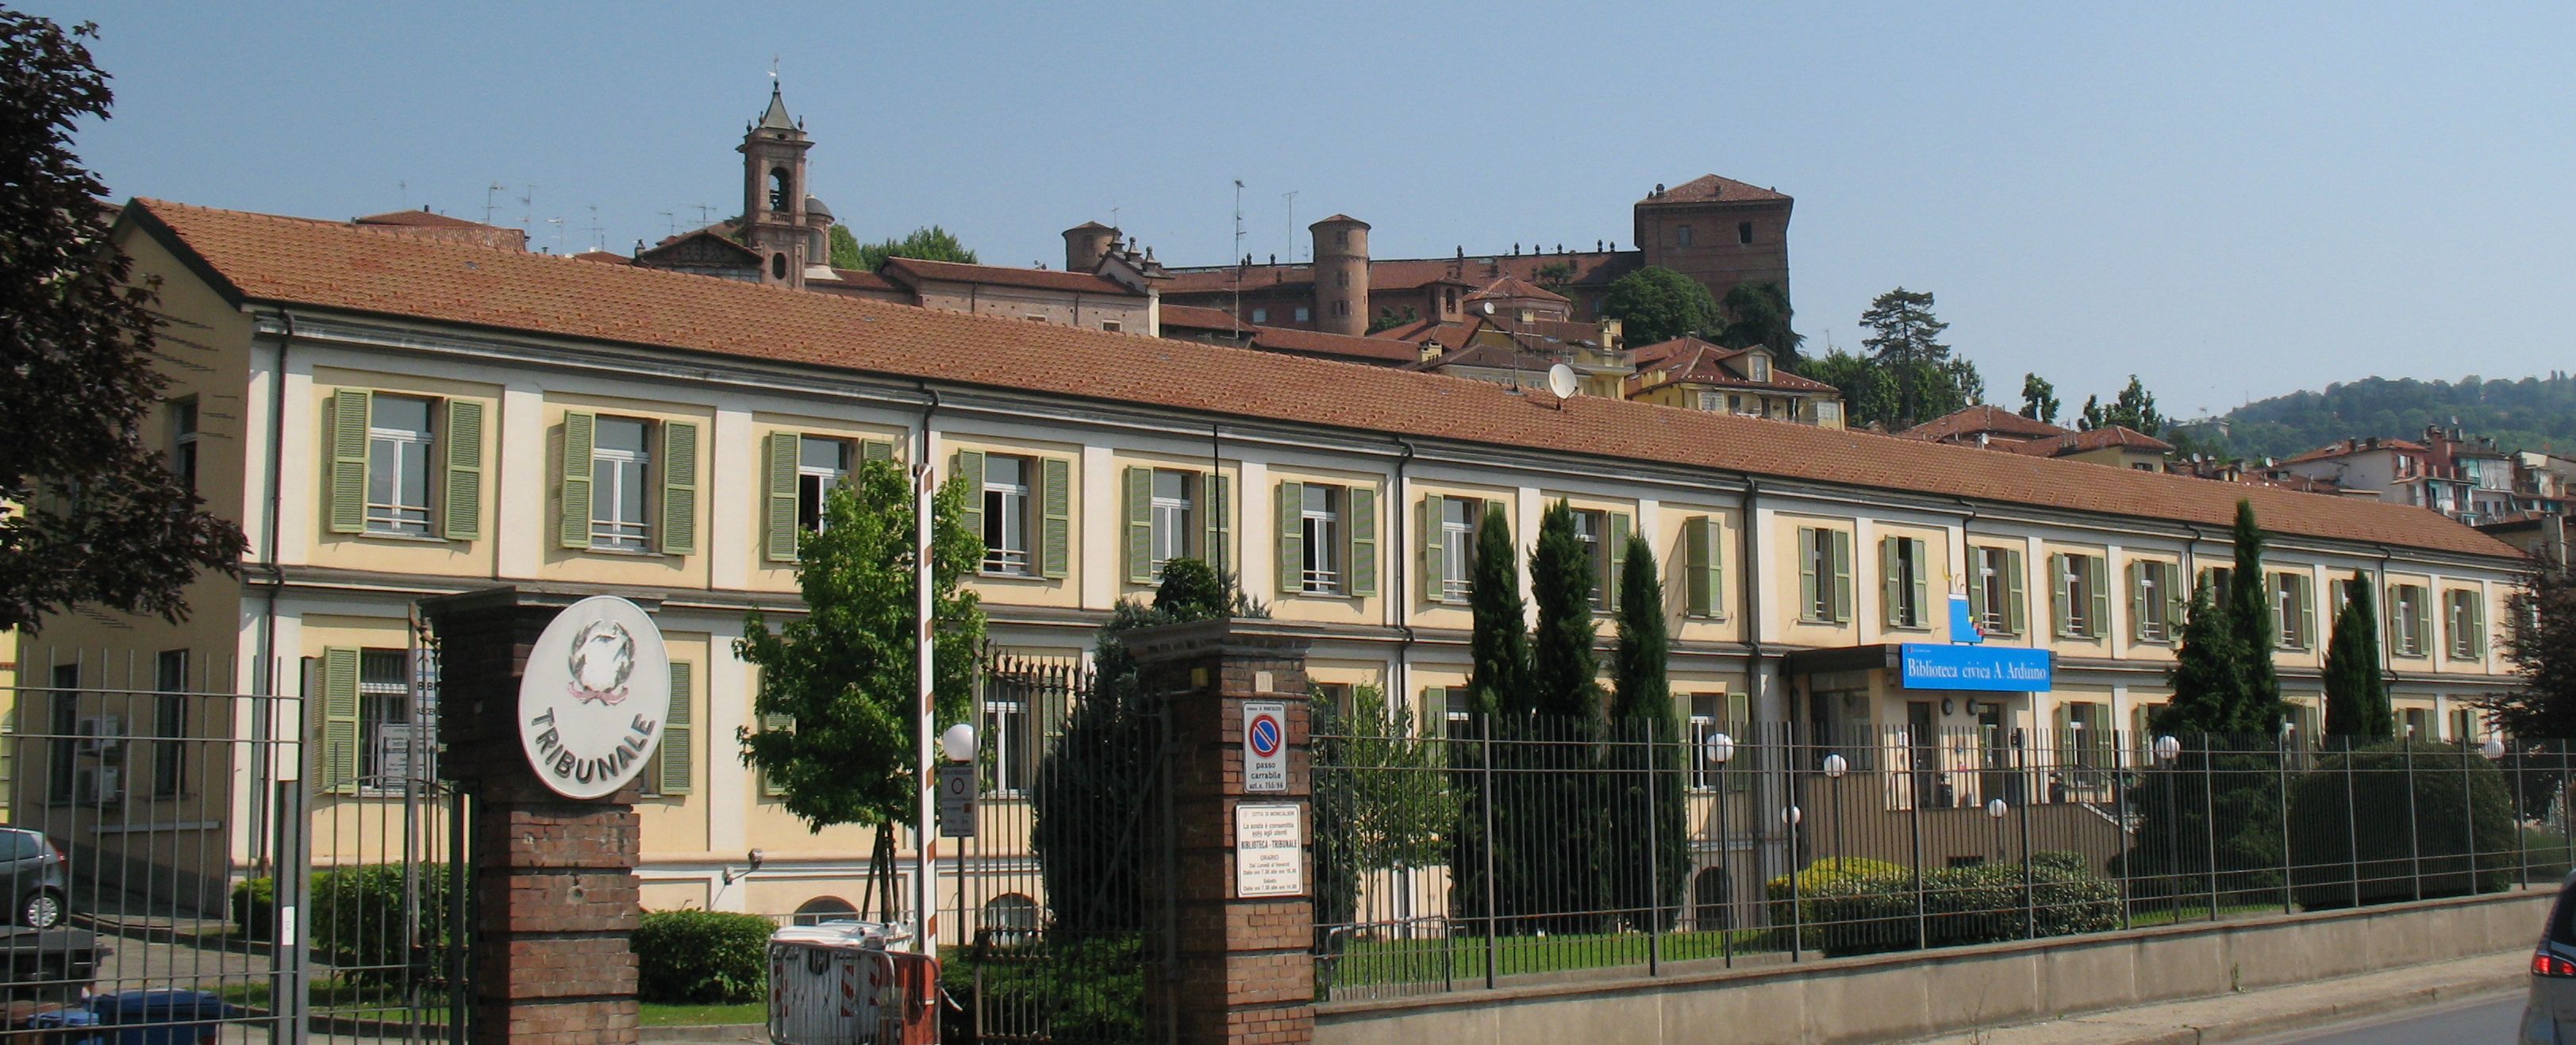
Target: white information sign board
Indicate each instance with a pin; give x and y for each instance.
(1269, 857)
(1265, 746)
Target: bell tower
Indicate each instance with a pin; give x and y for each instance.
(773, 194)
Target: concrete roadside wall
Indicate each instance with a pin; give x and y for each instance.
(1903, 996)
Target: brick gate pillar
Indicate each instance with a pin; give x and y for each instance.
(553, 878)
(1243, 967)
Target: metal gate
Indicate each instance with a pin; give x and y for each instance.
(286, 866)
(1063, 905)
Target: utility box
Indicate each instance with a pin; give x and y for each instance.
(837, 984)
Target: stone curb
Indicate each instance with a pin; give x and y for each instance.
(2104, 1028)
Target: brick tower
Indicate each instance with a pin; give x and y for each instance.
(1341, 274)
(1720, 232)
(773, 194)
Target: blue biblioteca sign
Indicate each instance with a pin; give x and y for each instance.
(2001, 669)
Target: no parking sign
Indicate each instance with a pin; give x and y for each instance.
(1265, 745)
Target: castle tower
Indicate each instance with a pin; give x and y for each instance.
(1086, 244)
(1341, 274)
(1720, 232)
(773, 195)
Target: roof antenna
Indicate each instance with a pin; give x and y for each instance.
(488, 205)
(1291, 196)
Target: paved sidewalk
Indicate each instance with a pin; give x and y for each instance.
(2254, 1014)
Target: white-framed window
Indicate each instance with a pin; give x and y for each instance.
(2293, 603)
(1707, 711)
(1908, 582)
(1712, 402)
(1458, 523)
(1261, 315)
(1593, 529)
(1011, 730)
(1320, 523)
(398, 466)
(821, 465)
(1175, 516)
(2406, 619)
(1995, 590)
(1824, 575)
(384, 700)
(183, 441)
(621, 469)
(1006, 514)
(1305, 314)
(2155, 600)
(2082, 601)
(2467, 624)
(1758, 366)
(1829, 412)
(1111, 325)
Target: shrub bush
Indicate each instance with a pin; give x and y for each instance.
(255, 908)
(358, 917)
(702, 957)
(1824, 883)
(1875, 911)
(2350, 835)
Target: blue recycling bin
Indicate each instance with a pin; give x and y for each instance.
(65, 1027)
(160, 1017)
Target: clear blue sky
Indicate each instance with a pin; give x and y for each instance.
(2227, 199)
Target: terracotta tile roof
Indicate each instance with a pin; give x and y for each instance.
(257, 258)
(2083, 442)
(1510, 286)
(604, 257)
(915, 270)
(1490, 356)
(1283, 339)
(1693, 360)
(2357, 446)
(861, 279)
(419, 219)
(1591, 269)
(1709, 188)
(1983, 417)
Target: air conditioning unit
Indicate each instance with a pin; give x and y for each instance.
(97, 786)
(101, 734)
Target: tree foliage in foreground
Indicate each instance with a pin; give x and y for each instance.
(91, 512)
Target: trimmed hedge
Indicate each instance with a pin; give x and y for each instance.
(702, 957)
(356, 918)
(1875, 911)
(2349, 832)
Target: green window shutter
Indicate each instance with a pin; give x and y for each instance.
(1922, 581)
(1139, 525)
(772, 723)
(1807, 579)
(2477, 627)
(1842, 541)
(1976, 588)
(2177, 601)
(348, 493)
(1055, 527)
(969, 465)
(1699, 546)
(779, 543)
(2095, 569)
(1620, 526)
(2134, 576)
(1435, 703)
(2061, 588)
(679, 487)
(2016, 594)
(578, 429)
(678, 765)
(1891, 598)
(338, 766)
(876, 450)
(461, 499)
(1363, 540)
(1434, 585)
(2307, 589)
(1290, 511)
(1219, 545)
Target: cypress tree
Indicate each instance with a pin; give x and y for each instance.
(1499, 643)
(2356, 692)
(2207, 672)
(1565, 804)
(2257, 704)
(1651, 756)
(1499, 692)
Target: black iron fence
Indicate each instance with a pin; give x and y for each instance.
(1508, 847)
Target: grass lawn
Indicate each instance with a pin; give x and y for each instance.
(659, 1014)
(1462, 958)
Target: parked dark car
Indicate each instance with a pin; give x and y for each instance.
(2549, 1018)
(34, 865)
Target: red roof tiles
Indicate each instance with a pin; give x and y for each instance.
(1709, 188)
(915, 270)
(257, 258)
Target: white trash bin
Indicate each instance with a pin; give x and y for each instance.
(835, 984)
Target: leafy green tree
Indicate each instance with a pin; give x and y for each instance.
(2541, 643)
(1384, 805)
(2356, 692)
(839, 682)
(927, 244)
(1865, 393)
(1923, 379)
(1758, 314)
(2038, 399)
(2093, 417)
(2531, 413)
(90, 512)
(1389, 319)
(1648, 756)
(1562, 803)
(1656, 304)
(2134, 409)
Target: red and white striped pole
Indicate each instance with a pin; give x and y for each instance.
(925, 884)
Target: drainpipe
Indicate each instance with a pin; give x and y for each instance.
(929, 406)
(272, 576)
(1402, 680)
(2387, 651)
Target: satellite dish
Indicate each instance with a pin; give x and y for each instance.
(1560, 380)
(1489, 308)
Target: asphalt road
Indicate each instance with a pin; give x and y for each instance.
(2478, 1021)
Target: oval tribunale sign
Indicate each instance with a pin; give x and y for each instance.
(592, 698)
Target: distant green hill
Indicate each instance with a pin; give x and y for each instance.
(2535, 413)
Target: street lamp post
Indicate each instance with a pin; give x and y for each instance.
(1719, 749)
(1835, 767)
(958, 743)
